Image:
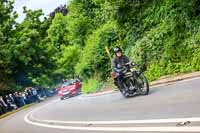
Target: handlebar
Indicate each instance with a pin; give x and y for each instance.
(130, 64)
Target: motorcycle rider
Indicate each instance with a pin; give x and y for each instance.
(118, 62)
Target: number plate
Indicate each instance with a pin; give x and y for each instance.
(66, 93)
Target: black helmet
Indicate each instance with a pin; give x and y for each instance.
(117, 49)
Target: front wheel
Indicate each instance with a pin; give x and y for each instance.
(125, 93)
(128, 88)
(142, 84)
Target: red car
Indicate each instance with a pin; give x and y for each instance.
(69, 89)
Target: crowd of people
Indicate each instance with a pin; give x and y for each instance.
(16, 100)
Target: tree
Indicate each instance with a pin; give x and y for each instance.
(7, 22)
(61, 9)
(69, 59)
(31, 52)
(57, 32)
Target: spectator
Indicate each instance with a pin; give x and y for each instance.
(39, 91)
(48, 94)
(35, 95)
(11, 105)
(13, 101)
(21, 100)
(4, 105)
(30, 94)
(16, 99)
(28, 98)
(11, 98)
(25, 98)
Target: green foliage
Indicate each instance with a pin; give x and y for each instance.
(168, 45)
(77, 27)
(68, 60)
(7, 21)
(94, 60)
(57, 31)
(161, 34)
(91, 85)
(30, 51)
(43, 80)
(194, 47)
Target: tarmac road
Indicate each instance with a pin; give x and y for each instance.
(171, 108)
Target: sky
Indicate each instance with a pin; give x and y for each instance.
(46, 5)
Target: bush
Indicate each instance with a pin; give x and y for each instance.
(94, 59)
(91, 85)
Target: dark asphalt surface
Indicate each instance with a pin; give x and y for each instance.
(178, 100)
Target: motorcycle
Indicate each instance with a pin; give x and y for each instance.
(134, 82)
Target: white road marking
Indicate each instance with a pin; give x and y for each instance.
(130, 129)
(153, 121)
(117, 129)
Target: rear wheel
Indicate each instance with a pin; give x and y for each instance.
(142, 84)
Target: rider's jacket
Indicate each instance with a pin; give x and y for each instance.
(119, 62)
